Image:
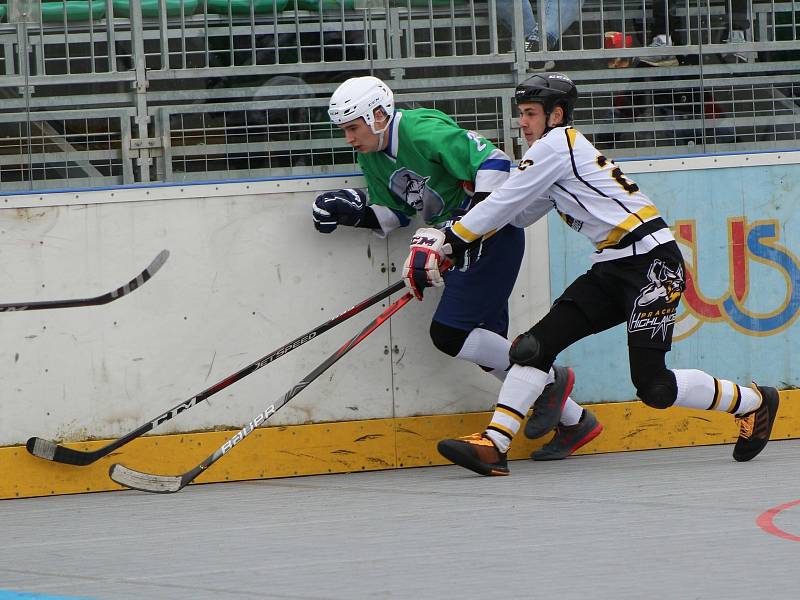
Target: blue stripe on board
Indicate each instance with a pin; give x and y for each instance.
(11, 595)
(124, 186)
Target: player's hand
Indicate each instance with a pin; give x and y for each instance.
(428, 251)
(340, 207)
(471, 255)
(462, 254)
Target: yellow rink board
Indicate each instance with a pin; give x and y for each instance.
(361, 446)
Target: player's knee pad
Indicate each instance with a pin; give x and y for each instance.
(659, 391)
(448, 339)
(528, 351)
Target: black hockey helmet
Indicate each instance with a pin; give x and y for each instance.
(550, 90)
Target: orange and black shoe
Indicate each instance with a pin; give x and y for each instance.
(756, 427)
(476, 453)
(569, 438)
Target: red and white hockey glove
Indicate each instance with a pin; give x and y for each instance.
(422, 267)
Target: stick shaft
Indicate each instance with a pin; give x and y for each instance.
(121, 291)
(170, 484)
(57, 453)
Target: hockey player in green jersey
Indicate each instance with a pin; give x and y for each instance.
(420, 164)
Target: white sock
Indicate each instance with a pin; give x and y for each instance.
(520, 389)
(697, 389)
(571, 414)
(487, 349)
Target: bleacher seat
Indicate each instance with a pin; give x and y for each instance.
(242, 7)
(150, 8)
(75, 10)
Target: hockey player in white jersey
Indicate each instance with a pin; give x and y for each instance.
(637, 278)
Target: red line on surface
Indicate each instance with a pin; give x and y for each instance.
(766, 521)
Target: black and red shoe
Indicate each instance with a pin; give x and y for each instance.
(569, 438)
(550, 404)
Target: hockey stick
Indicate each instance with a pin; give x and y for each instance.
(164, 484)
(55, 452)
(126, 289)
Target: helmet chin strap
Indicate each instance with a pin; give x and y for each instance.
(381, 134)
(547, 126)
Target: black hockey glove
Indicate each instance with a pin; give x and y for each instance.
(477, 197)
(462, 253)
(341, 207)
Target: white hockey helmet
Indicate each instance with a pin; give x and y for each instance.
(359, 97)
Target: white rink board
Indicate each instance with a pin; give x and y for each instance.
(247, 273)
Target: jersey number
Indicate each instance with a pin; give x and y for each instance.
(476, 137)
(628, 185)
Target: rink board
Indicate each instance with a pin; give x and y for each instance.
(231, 291)
(376, 444)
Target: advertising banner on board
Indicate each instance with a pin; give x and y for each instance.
(738, 231)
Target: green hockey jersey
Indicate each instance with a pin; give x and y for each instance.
(430, 166)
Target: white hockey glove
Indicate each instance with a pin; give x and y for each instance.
(426, 257)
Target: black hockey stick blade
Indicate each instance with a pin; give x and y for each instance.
(57, 453)
(121, 291)
(51, 451)
(166, 484)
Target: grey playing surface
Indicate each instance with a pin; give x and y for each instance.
(665, 524)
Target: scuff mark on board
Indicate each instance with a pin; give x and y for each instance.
(404, 430)
(299, 454)
(400, 358)
(211, 366)
(634, 433)
(703, 419)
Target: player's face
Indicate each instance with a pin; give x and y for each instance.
(360, 136)
(533, 120)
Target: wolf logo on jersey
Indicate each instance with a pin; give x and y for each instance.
(664, 283)
(661, 295)
(414, 191)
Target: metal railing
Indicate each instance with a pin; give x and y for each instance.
(126, 91)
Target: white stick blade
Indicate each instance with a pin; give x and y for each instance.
(158, 484)
(42, 448)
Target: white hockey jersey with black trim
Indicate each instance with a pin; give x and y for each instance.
(563, 170)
